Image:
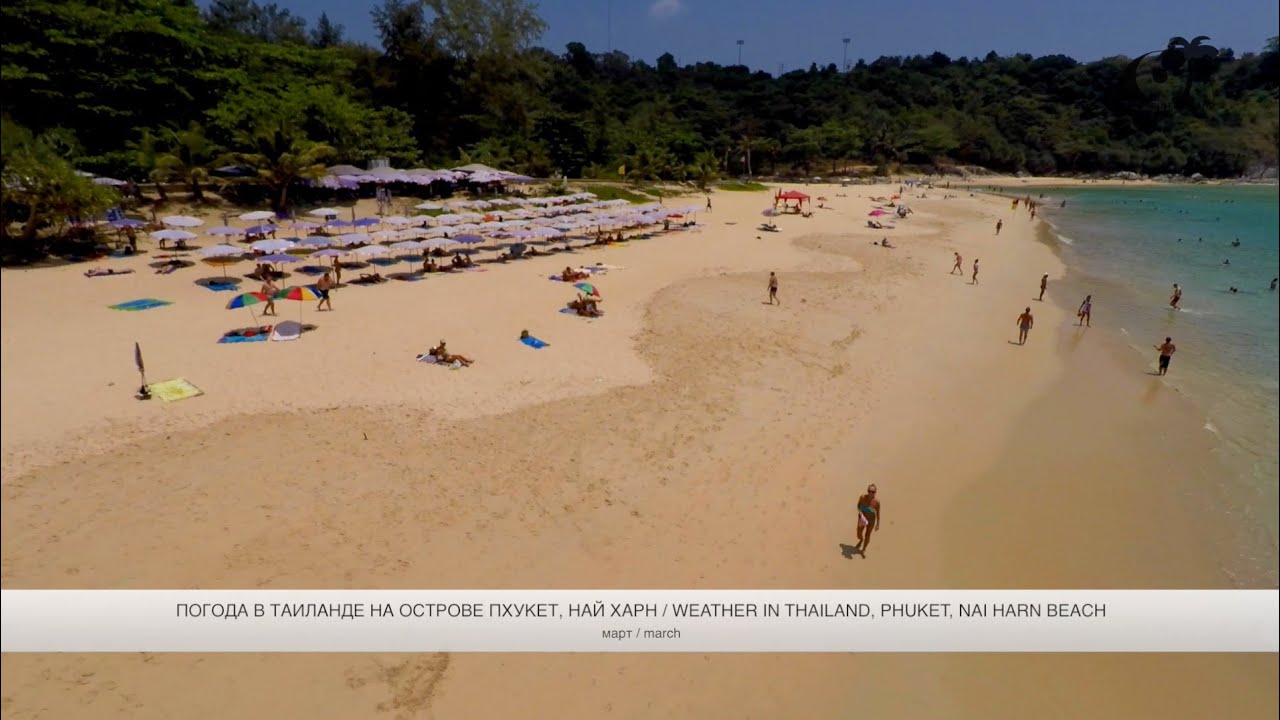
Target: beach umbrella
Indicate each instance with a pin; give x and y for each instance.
(300, 293)
(369, 250)
(469, 239)
(247, 301)
(260, 230)
(365, 222)
(257, 215)
(328, 253)
(182, 221)
(271, 245)
(223, 250)
(588, 288)
(316, 241)
(398, 220)
(354, 238)
(126, 223)
(279, 258)
(448, 219)
(407, 245)
(338, 223)
(224, 230)
(171, 234)
(304, 225)
(325, 212)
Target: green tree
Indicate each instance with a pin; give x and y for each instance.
(41, 189)
(188, 154)
(282, 156)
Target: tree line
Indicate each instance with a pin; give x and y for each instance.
(162, 91)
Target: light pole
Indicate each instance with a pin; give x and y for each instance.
(846, 54)
(740, 51)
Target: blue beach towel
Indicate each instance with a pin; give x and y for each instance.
(221, 287)
(533, 342)
(143, 304)
(313, 270)
(229, 339)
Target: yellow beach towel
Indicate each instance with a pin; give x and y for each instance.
(174, 390)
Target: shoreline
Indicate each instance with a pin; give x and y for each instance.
(691, 438)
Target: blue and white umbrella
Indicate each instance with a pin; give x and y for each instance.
(224, 230)
(271, 245)
(171, 234)
(279, 258)
(469, 239)
(318, 241)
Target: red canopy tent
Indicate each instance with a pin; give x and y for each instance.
(790, 195)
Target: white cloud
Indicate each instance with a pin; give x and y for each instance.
(666, 8)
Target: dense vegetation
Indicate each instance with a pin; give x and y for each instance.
(160, 91)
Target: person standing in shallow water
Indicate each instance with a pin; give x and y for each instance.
(1085, 311)
(1044, 285)
(1167, 349)
(1176, 297)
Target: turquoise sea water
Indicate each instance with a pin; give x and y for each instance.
(1122, 245)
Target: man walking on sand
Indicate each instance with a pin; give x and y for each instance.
(324, 287)
(773, 289)
(974, 280)
(868, 518)
(1167, 349)
(999, 224)
(1044, 285)
(1025, 321)
(957, 267)
(269, 289)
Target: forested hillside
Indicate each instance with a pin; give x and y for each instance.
(158, 89)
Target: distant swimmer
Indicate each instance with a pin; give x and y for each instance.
(1025, 322)
(1235, 243)
(1233, 289)
(1085, 311)
(1167, 349)
(957, 269)
(1176, 297)
(1044, 285)
(974, 280)
(868, 518)
(999, 224)
(1064, 204)
(1273, 283)
(1226, 262)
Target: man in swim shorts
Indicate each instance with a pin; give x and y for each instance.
(1176, 297)
(1025, 321)
(1167, 349)
(868, 518)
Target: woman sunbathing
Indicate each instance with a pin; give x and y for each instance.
(586, 306)
(373, 277)
(443, 355)
(570, 275)
(100, 272)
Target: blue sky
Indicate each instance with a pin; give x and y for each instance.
(794, 33)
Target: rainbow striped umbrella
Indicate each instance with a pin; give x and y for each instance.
(589, 289)
(247, 300)
(300, 293)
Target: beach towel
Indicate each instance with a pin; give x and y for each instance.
(221, 287)
(232, 339)
(313, 270)
(428, 358)
(143, 304)
(174, 390)
(534, 342)
(286, 331)
(167, 269)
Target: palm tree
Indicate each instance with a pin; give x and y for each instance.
(282, 155)
(704, 169)
(187, 158)
(145, 156)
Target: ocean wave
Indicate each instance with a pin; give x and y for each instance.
(1065, 239)
(1211, 428)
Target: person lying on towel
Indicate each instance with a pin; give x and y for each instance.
(441, 353)
(100, 272)
(571, 275)
(586, 306)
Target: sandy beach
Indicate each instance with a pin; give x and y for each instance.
(694, 436)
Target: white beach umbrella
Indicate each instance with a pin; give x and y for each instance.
(271, 246)
(429, 206)
(449, 219)
(325, 212)
(173, 235)
(397, 220)
(439, 242)
(420, 219)
(328, 252)
(318, 241)
(407, 245)
(382, 235)
(223, 250)
(353, 238)
(182, 221)
(258, 215)
(369, 250)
